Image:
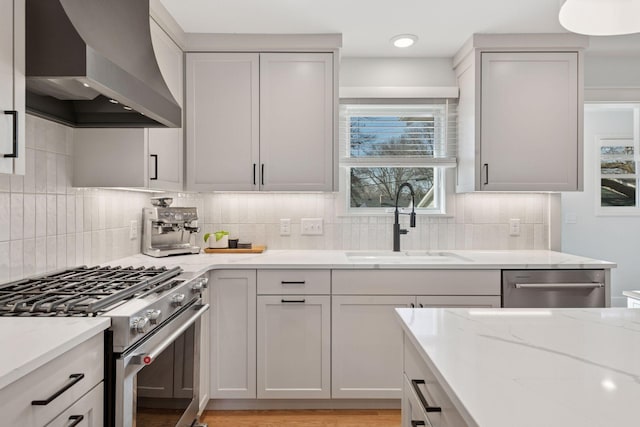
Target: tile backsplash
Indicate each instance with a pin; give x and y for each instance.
(46, 224)
(478, 221)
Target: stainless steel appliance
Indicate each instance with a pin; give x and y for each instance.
(152, 311)
(553, 288)
(167, 230)
(91, 63)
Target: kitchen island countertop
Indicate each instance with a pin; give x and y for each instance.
(533, 367)
(30, 342)
(340, 259)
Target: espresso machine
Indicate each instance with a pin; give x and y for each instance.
(167, 230)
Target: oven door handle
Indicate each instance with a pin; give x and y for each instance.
(558, 285)
(148, 358)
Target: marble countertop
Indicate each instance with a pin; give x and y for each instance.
(632, 294)
(332, 259)
(30, 342)
(534, 367)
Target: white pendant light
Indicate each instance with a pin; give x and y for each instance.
(601, 17)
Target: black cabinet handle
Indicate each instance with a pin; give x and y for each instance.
(292, 301)
(412, 305)
(75, 379)
(486, 173)
(77, 419)
(155, 161)
(286, 282)
(262, 174)
(423, 401)
(415, 423)
(254, 174)
(14, 153)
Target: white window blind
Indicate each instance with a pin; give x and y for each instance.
(398, 134)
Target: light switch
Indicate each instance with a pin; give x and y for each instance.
(311, 226)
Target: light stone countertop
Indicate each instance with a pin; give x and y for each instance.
(28, 343)
(333, 259)
(533, 367)
(632, 294)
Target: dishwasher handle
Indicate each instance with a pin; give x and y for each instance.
(559, 285)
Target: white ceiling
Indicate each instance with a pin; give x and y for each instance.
(442, 26)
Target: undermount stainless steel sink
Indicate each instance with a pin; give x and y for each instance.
(404, 257)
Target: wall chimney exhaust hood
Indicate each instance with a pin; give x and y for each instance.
(90, 63)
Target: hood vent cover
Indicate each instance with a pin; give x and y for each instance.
(90, 63)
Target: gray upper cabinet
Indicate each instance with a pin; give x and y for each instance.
(520, 116)
(12, 87)
(136, 158)
(260, 121)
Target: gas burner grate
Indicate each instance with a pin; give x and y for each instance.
(81, 291)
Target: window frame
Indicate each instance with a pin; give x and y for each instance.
(443, 168)
(601, 141)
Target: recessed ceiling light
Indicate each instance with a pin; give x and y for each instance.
(127, 108)
(113, 101)
(404, 40)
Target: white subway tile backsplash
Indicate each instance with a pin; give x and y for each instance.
(17, 259)
(17, 216)
(29, 203)
(5, 261)
(5, 217)
(43, 219)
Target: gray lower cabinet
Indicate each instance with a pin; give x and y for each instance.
(293, 347)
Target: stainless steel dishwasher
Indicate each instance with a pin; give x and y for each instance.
(553, 288)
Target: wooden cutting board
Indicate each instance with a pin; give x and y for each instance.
(256, 249)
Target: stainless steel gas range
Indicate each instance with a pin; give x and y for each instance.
(152, 311)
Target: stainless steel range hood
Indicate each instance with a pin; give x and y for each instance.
(90, 63)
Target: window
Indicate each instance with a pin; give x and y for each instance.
(384, 145)
(617, 175)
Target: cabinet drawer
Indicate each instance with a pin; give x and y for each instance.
(415, 368)
(294, 282)
(60, 376)
(416, 282)
(86, 412)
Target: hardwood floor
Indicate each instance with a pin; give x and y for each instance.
(305, 418)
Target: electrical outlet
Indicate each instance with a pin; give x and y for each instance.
(311, 226)
(285, 227)
(133, 230)
(514, 227)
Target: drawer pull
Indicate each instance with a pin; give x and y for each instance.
(423, 401)
(292, 301)
(415, 423)
(75, 379)
(76, 419)
(293, 282)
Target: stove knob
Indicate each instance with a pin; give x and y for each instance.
(199, 285)
(177, 299)
(154, 316)
(140, 324)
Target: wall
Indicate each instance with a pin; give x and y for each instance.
(612, 238)
(45, 224)
(479, 221)
(397, 72)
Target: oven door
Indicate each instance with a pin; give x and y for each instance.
(157, 380)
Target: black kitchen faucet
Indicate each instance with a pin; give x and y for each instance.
(397, 231)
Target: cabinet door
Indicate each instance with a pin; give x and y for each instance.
(367, 344)
(166, 144)
(223, 121)
(86, 412)
(12, 86)
(232, 368)
(296, 121)
(110, 158)
(205, 361)
(459, 301)
(293, 347)
(530, 121)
